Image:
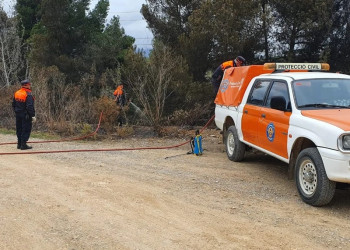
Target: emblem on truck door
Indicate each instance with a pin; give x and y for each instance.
(270, 132)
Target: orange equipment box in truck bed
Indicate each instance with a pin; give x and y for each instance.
(235, 82)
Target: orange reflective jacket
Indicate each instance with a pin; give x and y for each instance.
(118, 91)
(23, 102)
(226, 65)
(21, 95)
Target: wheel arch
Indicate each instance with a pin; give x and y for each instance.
(299, 145)
(228, 122)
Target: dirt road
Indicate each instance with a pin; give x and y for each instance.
(140, 200)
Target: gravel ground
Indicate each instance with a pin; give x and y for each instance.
(141, 200)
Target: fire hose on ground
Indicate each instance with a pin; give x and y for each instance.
(95, 150)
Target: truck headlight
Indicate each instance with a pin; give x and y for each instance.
(344, 143)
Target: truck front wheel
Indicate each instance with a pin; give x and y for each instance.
(235, 149)
(312, 182)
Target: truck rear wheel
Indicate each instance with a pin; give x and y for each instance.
(235, 149)
(312, 182)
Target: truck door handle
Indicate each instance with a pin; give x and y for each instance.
(263, 116)
(245, 111)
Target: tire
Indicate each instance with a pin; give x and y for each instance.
(312, 182)
(235, 149)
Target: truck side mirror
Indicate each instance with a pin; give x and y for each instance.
(279, 103)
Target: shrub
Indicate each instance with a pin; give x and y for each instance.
(86, 129)
(190, 117)
(56, 101)
(125, 131)
(110, 112)
(6, 112)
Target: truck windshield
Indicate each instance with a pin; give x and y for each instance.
(322, 93)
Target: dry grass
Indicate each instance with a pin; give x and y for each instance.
(125, 131)
(6, 112)
(67, 109)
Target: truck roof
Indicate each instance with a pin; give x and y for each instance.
(307, 75)
(236, 80)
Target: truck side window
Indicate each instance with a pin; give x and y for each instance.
(258, 92)
(279, 89)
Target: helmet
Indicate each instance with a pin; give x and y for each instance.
(24, 82)
(241, 59)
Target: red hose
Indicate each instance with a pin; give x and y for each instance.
(107, 149)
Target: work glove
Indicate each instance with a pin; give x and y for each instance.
(33, 119)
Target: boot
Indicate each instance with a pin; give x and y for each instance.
(24, 146)
(19, 145)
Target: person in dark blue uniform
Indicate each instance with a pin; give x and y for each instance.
(23, 106)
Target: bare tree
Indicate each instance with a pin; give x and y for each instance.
(151, 85)
(11, 60)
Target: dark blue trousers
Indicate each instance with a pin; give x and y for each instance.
(23, 127)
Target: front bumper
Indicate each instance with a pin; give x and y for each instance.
(336, 164)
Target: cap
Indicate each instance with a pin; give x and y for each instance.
(24, 82)
(241, 59)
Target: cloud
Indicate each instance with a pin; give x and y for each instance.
(131, 20)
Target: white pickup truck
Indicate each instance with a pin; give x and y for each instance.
(301, 117)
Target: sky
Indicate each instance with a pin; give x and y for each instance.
(131, 20)
(129, 15)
